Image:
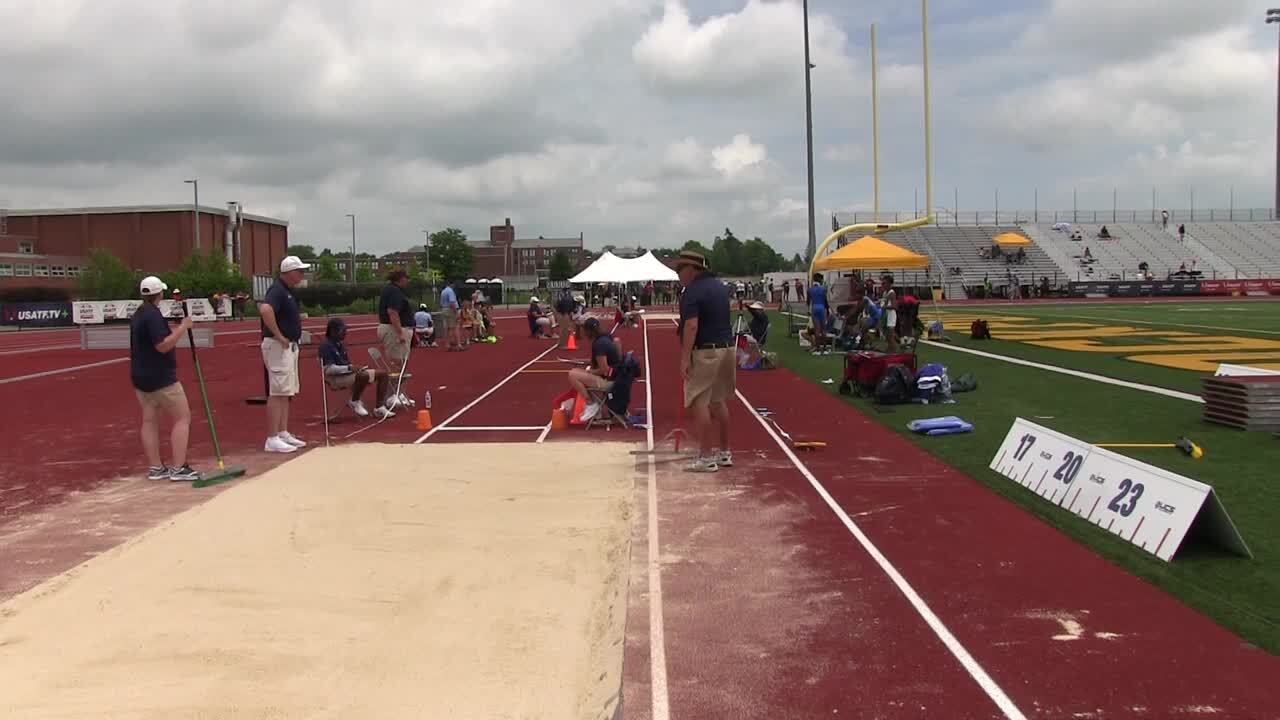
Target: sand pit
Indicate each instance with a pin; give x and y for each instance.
(363, 582)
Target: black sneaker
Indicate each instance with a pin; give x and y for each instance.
(183, 474)
(162, 472)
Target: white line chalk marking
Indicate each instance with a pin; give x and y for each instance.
(484, 395)
(975, 670)
(657, 643)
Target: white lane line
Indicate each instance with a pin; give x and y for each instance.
(657, 642)
(38, 348)
(484, 395)
(492, 428)
(59, 371)
(1074, 373)
(546, 430)
(975, 670)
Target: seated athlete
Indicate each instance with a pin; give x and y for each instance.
(424, 327)
(605, 356)
(539, 319)
(341, 374)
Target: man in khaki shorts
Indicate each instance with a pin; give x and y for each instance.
(707, 359)
(281, 331)
(153, 368)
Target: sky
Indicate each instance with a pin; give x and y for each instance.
(633, 122)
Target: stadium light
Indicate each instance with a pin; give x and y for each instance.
(353, 247)
(811, 248)
(1273, 16)
(195, 204)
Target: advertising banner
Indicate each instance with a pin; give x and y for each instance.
(57, 314)
(96, 312)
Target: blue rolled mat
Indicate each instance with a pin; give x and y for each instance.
(938, 423)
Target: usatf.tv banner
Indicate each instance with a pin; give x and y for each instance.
(1175, 288)
(56, 314)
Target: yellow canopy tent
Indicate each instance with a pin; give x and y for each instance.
(870, 253)
(1010, 239)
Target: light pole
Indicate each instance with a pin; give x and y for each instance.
(1273, 16)
(426, 260)
(808, 122)
(353, 247)
(195, 205)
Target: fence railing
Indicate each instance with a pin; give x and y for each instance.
(949, 216)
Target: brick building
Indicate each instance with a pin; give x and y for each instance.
(508, 257)
(48, 247)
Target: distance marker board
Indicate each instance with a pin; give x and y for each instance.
(1147, 506)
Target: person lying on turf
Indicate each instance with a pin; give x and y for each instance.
(605, 356)
(341, 374)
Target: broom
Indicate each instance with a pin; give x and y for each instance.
(224, 473)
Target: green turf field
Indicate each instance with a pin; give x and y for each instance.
(1242, 594)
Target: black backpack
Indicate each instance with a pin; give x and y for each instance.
(895, 386)
(979, 330)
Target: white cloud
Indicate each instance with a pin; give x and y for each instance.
(844, 154)
(739, 156)
(754, 50)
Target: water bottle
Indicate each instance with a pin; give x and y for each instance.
(426, 400)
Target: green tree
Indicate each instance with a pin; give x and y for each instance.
(759, 257)
(451, 254)
(726, 254)
(302, 251)
(561, 268)
(106, 277)
(327, 269)
(695, 246)
(608, 248)
(364, 274)
(204, 273)
(797, 264)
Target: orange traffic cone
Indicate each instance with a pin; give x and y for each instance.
(559, 421)
(424, 420)
(573, 342)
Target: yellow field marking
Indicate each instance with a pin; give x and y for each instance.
(1194, 343)
(1181, 350)
(1208, 362)
(1090, 332)
(1162, 323)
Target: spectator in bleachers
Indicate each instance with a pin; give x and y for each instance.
(1182, 232)
(1104, 234)
(1164, 219)
(1077, 236)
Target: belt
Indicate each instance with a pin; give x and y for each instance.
(712, 346)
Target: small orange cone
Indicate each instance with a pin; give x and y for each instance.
(558, 420)
(424, 420)
(573, 342)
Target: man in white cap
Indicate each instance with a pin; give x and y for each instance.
(153, 368)
(281, 331)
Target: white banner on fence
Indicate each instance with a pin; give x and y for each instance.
(1149, 507)
(96, 312)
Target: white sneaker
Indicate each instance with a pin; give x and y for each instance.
(358, 408)
(392, 402)
(703, 464)
(288, 438)
(724, 458)
(589, 411)
(381, 412)
(276, 445)
(405, 401)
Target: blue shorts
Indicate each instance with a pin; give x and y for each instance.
(819, 316)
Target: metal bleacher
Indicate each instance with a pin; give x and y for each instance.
(1130, 245)
(953, 246)
(1251, 248)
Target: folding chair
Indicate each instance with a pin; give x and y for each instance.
(607, 417)
(376, 356)
(619, 386)
(330, 388)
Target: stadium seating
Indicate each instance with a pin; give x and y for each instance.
(957, 247)
(1252, 249)
(1130, 245)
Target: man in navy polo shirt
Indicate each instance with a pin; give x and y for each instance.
(153, 368)
(708, 360)
(281, 331)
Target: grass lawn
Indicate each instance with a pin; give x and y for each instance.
(1242, 594)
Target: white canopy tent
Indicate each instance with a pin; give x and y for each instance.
(605, 269)
(612, 269)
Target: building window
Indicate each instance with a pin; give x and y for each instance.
(42, 271)
(6, 270)
(73, 271)
(57, 271)
(26, 247)
(22, 270)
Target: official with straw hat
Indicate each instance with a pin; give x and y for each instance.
(707, 360)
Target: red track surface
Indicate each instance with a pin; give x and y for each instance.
(770, 606)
